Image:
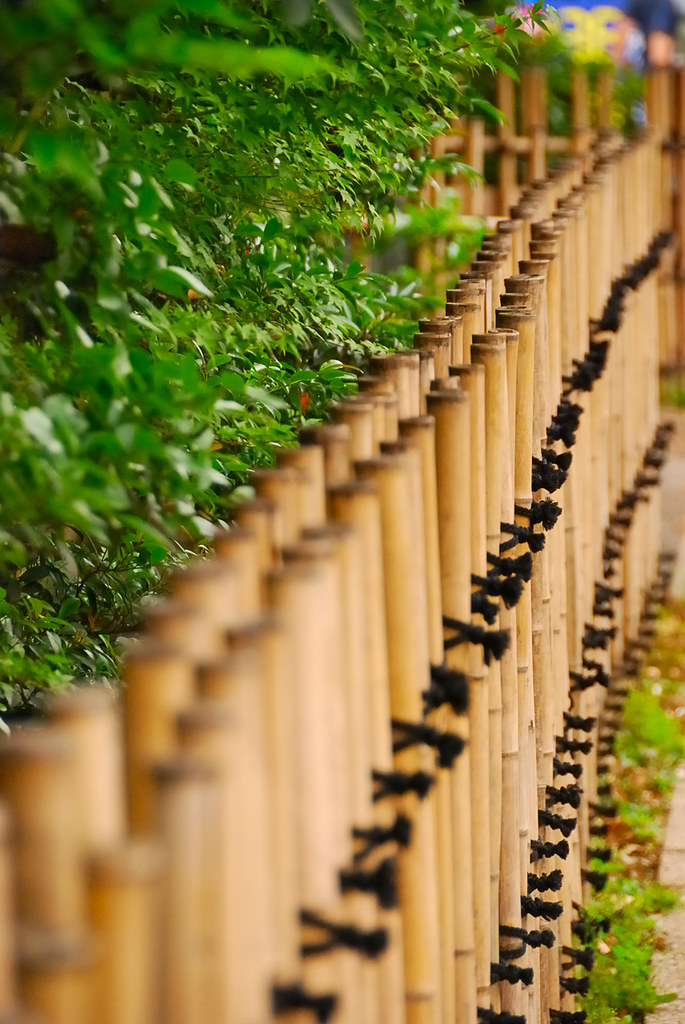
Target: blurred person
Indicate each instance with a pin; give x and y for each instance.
(657, 20)
(637, 32)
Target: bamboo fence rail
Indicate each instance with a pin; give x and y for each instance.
(352, 771)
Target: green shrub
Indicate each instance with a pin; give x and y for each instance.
(178, 186)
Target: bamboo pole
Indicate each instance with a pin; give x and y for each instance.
(123, 901)
(451, 411)
(159, 683)
(407, 649)
(188, 805)
(90, 717)
(8, 937)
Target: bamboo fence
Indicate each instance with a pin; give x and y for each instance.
(352, 771)
(515, 156)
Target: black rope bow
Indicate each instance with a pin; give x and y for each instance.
(545, 883)
(540, 850)
(521, 567)
(399, 832)
(447, 744)
(400, 783)
(521, 535)
(597, 879)
(480, 605)
(569, 795)
(494, 642)
(598, 639)
(290, 998)
(564, 1017)
(601, 853)
(581, 682)
(533, 907)
(447, 686)
(557, 823)
(565, 768)
(370, 943)
(579, 723)
(576, 986)
(380, 881)
(490, 1016)
(566, 746)
(603, 810)
(579, 958)
(534, 939)
(565, 423)
(546, 476)
(509, 588)
(545, 512)
(511, 974)
(588, 931)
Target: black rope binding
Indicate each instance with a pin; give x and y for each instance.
(579, 723)
(601, 853)
(509, 588)
(540, 850)
(598, 671)
(589, 931)
(521, 567)
(489, 1016)
(370, 944)
(494, 641)
(289, 998)
(566, 746)
(565, 423)
(546, 476)
(533, 907)
(399, 832)
(447, 744)
(569, 795)
(447, 686)
(608, 810)
(511, 974)
(521, 535)
(563, 1017)
(551, 882)
(576, 986)
(565, 768)
(481, 606)
(381, 881)
(534, 939)
(597, 639)
(579, 958)
(545, 512)
(597, 879)
(399, 783)
(557, 823)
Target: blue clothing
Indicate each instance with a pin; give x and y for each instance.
(653, 15)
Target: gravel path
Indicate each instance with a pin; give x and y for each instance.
(669, 965)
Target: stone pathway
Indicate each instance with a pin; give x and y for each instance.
(669, 965)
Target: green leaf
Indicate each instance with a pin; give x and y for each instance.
(346, 15)
(68, 608)
(176, 281)
(181, 171)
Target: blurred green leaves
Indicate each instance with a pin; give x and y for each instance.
(207, 171)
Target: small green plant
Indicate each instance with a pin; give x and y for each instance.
(649, 735)
(648, 748)
(620, 983)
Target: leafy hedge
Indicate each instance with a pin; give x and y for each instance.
(180, 183)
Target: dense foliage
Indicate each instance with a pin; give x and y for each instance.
(181, 187)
